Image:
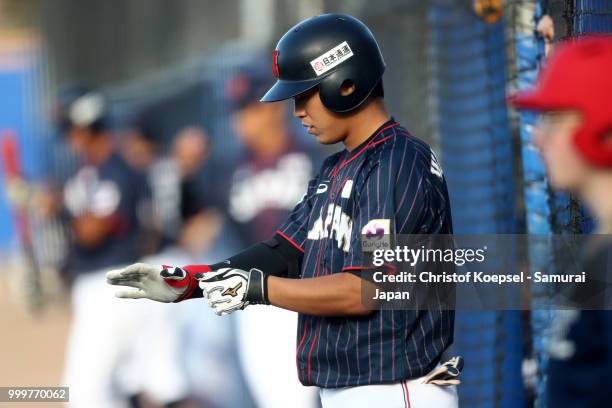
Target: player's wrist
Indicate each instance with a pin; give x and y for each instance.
(257, 288)
(189, 283)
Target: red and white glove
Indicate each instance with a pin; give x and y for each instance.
(160, 283)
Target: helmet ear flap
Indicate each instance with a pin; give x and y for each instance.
(331, 96)
(330, 91)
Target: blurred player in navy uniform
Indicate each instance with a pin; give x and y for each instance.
(384, 180)
(104, 196)
(275, 166)
(102, 203)
(574, 94)
(142, 146)
(186, 226)
(267, 179)
(184, 210)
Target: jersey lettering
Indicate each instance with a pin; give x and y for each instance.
(336, 224)
(435, 166)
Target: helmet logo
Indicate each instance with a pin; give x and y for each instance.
(275, 63)
(331, 58)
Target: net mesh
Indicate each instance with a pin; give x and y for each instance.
(469, 74)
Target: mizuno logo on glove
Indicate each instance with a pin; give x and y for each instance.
(233, 292)
(230, 289)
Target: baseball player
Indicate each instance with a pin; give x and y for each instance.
(384, 177)
(574, 95)
(100, 202)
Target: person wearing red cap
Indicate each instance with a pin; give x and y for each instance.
(574, 135)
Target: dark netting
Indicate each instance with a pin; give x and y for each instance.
(589, 16)
(469, 73)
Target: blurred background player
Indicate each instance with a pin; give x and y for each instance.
(186, 224)
(270, 177)
(199, 208)
(101, 203)
(275, 165)
(108, 204)
(182, 213)
(142, 146)
(574, 135)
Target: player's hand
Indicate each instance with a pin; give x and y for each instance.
(161, 283)
(229, 289)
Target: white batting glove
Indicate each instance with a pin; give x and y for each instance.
(229, 289)
(160, 283)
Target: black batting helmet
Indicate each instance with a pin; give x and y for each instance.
(327, 51)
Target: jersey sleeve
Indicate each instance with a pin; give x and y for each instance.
(402, 194)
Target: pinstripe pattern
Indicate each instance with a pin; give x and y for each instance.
(391, 179)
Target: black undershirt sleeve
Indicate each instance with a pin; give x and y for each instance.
(275, 256)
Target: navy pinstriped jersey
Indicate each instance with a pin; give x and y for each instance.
(391, 176)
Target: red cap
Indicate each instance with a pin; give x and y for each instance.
(578, 76)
